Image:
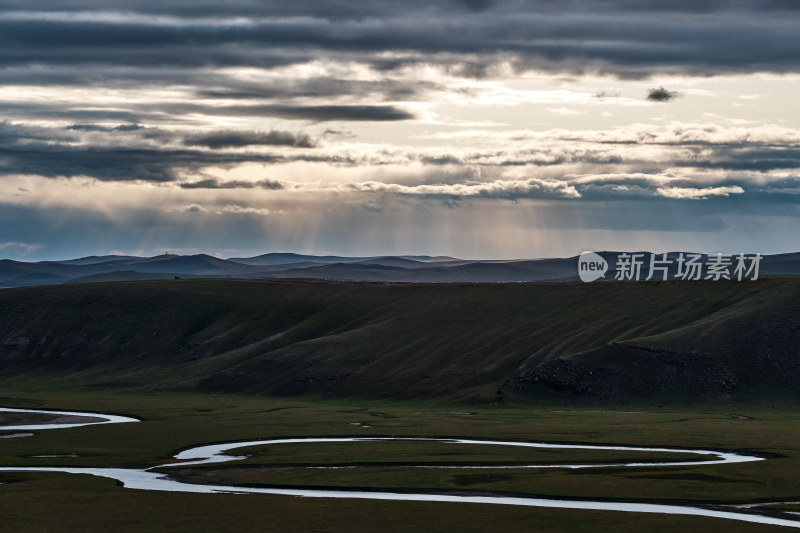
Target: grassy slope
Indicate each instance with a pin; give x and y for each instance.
(749, 349)
(458, 342)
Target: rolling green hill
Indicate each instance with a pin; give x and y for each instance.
(566, 342)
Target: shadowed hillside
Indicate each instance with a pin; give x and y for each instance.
(750, 348)
(602, 342)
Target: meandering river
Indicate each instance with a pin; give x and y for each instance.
(147, 479)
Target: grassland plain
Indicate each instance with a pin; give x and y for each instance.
(172, 421)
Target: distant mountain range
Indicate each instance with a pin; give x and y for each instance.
(406, 268)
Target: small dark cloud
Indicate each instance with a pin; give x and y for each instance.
(87, 127)
(129, 127)
(97, 127)
(318, 87)
(337, 133)
(605, 94)
(272, 185)
(660, 94)
(322, 113)
(445, 159)
(213, 183)
(471, 69)
(239, 139)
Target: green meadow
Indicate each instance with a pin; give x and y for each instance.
(172, 421)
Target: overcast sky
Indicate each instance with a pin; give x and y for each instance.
(471, 128)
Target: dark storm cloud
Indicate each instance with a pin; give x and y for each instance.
(626, 38)
(116, 164)
(345, 9)
(160, 111)
(50, 111)
(318, 87)
(11, 134)
(132, 152)
(217, 86)
(238, 139)
(127, 152)
(317, 113)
